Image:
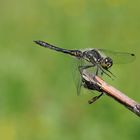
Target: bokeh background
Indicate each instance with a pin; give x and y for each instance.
(38, 98)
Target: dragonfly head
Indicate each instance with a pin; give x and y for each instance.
(106, 63)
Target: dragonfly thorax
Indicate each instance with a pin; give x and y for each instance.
(95, 57)
(92, 55)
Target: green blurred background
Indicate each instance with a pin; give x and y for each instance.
(37, 93)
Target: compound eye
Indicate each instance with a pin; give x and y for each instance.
(107, 63)
(106, 60)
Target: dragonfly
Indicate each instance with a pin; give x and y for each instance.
(101, 59)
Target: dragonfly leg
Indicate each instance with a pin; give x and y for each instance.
(81, 68)
(102, 73)
(95, 98)
(97, 70)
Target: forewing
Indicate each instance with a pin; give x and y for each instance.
(118, 57)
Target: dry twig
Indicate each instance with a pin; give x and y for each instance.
(96, 83)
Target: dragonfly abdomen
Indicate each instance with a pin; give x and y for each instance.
(75, 53)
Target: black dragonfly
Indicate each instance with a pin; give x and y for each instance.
(102, 59)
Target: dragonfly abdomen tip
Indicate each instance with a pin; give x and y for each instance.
(37, 41)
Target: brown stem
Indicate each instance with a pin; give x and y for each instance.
(97, 82)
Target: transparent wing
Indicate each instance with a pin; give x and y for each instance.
(77, 75)
(118, 57)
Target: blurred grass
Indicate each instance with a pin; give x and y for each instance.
(37, 96)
